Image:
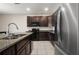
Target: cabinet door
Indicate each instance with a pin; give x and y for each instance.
(43, 21)
(43, 36)
(35, 18)
(54, 19)
(22, 51)
(20, 44)
(52, 38)
(28, 48)
(29, 21)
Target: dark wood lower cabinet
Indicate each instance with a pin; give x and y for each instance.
(53, 38)
(25, 50)
(22, 47)
(43, 36)
(9, 51)
(28, 48)
(22, 51)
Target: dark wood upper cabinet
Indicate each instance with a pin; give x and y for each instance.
(42, 20)
(29, 21)
(54, 18)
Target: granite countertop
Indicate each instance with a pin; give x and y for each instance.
(50, 31)
(5, 43)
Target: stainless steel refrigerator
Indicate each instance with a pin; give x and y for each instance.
(67, 30)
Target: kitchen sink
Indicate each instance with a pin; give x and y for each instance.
(13, 36)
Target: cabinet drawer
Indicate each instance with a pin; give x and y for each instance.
(43, 36)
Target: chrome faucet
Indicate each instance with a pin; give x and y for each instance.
(9, 26)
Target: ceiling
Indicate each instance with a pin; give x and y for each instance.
(36, 8)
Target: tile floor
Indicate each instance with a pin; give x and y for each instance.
(42, 48)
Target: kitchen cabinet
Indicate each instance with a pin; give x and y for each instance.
(43, 36)
(29, 21)
(54, 18)
(9, 51)
(35, 35)
(40, 36)
(42, 20)
(25, 50)
(52, 38)
(20, 44)
(22, 47)
(22, 51)
(28, 48)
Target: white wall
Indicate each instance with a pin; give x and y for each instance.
(20, 20)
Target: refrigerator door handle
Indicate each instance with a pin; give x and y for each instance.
(58, 26)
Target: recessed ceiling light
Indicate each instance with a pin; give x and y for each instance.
(46, 9)
(28, 9)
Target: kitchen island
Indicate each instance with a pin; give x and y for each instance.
(19, 46)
